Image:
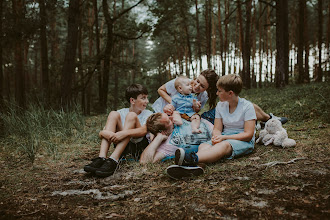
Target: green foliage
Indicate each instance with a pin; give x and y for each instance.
(39, 129)
(297, 102)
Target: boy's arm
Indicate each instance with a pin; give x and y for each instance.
(218, 125)
(134, 132)
(247, 135)
(217, 130)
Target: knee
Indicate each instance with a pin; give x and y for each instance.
(113, 115)
(203, 147)
(131, 116)
(227, 147)
(195, 117)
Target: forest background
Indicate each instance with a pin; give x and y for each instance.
(65, 65)
(83, 54)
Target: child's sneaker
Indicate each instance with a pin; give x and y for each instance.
(178, 172)
(184, 159)
(107, 169)
(96, 163)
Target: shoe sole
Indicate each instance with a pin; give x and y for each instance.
(90, 169)
(179, 172)
(103, 174)
(179, 156)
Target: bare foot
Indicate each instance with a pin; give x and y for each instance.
(106, 134)
(196, 130)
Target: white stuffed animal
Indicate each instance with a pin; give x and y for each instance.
(274, 133)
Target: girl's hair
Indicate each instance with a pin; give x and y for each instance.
(154, 125)
(212, 77)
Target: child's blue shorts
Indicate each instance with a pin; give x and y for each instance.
(239, 147)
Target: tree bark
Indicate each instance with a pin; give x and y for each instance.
(19, 69)
(70, 55)
(198, 38)
(247, 48)
(221, 38)
(261, 43)
(208, 31)
(320, 30)
(109, 48)
(1, 69)
(306, 44)
(282, 43)
(44, 53)
(301, 24)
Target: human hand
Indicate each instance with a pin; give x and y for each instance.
(118, 136)
(217, 139)
(169, 109)
(162, 136)
(196, 105)
(106, 134)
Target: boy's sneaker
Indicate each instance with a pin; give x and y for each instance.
(184, 159)
(107, 169)
(178, 172)
(96, 163)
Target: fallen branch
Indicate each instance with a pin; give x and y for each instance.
(273, 163)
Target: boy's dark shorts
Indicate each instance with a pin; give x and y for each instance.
(186, 117)
(134, 150)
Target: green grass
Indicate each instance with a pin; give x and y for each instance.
(50, 132)
(38, 129)
(299, 103)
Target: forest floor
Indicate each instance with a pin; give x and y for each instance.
(250, 187)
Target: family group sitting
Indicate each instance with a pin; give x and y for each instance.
(176, 130)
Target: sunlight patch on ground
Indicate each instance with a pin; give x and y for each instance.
(95, 193)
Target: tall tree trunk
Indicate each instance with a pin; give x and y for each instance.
(186, 30)
(198, 38)
(98, 51)
(44, 53)
(320, 30)
(91, 21)
(306, 38)
(19, 69)
(254, 42)
(301, 24)
(226, 36)
(109, 48)
(247, 48)
(328, 39)
(282, 43)
(107, 55)
(240, 32)
(220, 37)
(208, 31)
(214, 40)
(70, 54)
(261, 43)
(1, 69)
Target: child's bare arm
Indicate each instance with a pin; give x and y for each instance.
(177, 118)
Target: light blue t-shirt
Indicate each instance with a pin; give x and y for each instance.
(234, 122)
(160, 103)
(183, 103)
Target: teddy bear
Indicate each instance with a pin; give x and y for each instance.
(274, 133)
